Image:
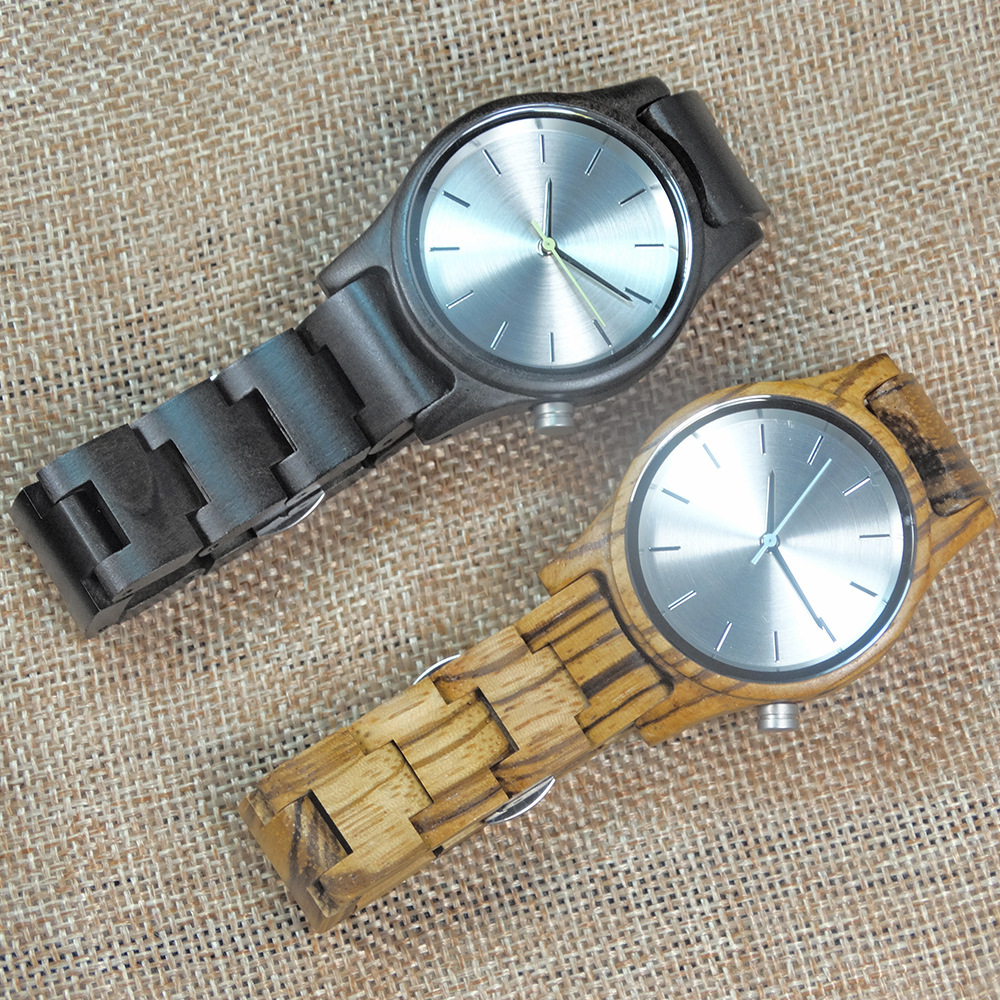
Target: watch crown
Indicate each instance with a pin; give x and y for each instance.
(779, 717)
(553, 419)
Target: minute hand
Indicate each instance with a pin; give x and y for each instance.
(795, 506)
(583, 269)
(799, 591)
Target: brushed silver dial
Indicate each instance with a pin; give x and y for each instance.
(550, 243)
(770, 539)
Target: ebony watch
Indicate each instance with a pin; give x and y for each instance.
(542, 252)
(767, 545)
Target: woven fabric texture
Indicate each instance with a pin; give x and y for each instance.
(174, 174)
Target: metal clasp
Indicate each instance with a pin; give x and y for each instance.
(291, 516)
(520, 803)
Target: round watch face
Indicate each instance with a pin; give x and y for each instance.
(550, 243)
(770, 539)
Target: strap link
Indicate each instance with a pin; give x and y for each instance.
(122, 520)
(947, 472)
(684, 122)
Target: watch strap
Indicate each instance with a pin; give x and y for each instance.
(725, 192)
(349, 818)
(944, 467)
(131, 515)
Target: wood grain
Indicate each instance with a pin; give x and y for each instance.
(951, 481)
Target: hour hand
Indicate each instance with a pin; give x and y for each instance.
(771, 539)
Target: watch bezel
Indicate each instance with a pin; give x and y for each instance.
(577, 384)
(705, 658)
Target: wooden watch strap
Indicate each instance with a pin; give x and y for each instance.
(951, 481)
(372, 803)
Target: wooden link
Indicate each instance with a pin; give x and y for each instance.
(301, 843)
(951, 480)
(619, 683)
(381, 792)
(325, 761)
(403, 717)
(290, 824)
(377, 796)
(460, 810)
(465, 740)
(534, 698)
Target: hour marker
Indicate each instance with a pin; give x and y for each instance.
(857, 486)
(455, 198)
(590, 166)
(774, 635)
(864, 590)
(486, 153)
(552, 348)
(681, 600)
(625, 201)
(708, 452)
(722, 639)
(499, 334)
(541, 145)
(676, 496)
(885, 535)
(600, 330)
(641, 298)
(647, 245)
(812, 454)
(438, 249)
(763, 444)
(461, 298)
(664, 548)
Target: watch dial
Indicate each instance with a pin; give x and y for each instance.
(770, 539)
(550, 243)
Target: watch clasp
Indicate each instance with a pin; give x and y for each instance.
(291, 516)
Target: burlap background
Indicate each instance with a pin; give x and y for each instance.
(173, 176)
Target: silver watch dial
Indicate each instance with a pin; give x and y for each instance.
(550, 243)
(770, 539)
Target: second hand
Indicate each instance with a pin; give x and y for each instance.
(771, 540)
(549, 246)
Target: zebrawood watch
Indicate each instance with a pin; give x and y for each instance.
(768, 544)
(543, 251)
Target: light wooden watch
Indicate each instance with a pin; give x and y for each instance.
(767, 545)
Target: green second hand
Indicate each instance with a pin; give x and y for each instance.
(549, 246)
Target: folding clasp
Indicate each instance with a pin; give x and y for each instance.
(291, 516)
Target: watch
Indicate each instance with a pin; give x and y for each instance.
(767, 545)
(542, 252)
